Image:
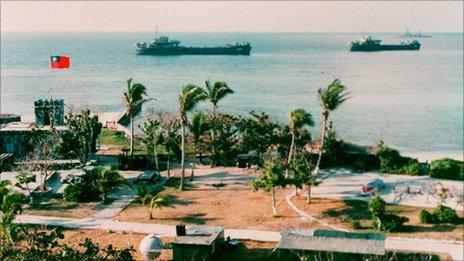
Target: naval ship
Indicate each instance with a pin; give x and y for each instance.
(369, 44)
(164, 46)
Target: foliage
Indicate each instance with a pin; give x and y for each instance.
(152, 136)
(42, 245)
(226, 138)
(382, 220)
(10, 206)
(134, 97)
(189, 98)
(392, 222)
(108, 178)
(302, 174)
(217, 91)
(80, 139)
(333, 148)
(392, 162)
(257, 132)
(330, 98)
(447, 169)
(149, 197)
(444, 214)
(355, 224)
(199, 126)
(425, 217)
(271, 177)
(24, 178)
(83, 189)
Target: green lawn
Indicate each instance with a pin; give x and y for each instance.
(116, 139)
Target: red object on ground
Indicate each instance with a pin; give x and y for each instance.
(59, 62)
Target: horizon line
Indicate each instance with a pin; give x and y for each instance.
(144, 31)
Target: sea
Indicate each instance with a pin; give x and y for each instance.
(412, 100)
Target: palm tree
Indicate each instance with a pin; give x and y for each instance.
(107, 179)
(150, 198)
(189, 98)
(134, 97)
(216, 93)
(330, 98)
(198, 127)
(298, 119)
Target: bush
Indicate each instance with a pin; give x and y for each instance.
(355, 224)
(447, 169)
(392, 222)
(444, 214)
(425, 217)
(377, 206)
(73, 192)
(392, 162)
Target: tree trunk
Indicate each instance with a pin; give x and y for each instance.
(169, 166)
(31, 199)
(194, 160)
(151, 216)
(309, 195)
(213, 148)
(274, 210)
(132, 137)
(290, 154)
(296, 191)
(325, 116)
(156, 158)
(182, 160)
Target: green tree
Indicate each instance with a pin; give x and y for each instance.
(215, 93)
(330, 98)
(80, 139)
(198, 127)
(227, 137)
(134, 98)
(189, 98)
(10, 206)
(108, 178)
(302, 175)
(24, 178)
(377, 208)
(257, 132)
(152, 130)
(271, 177)
(170, 137)
(299, 118)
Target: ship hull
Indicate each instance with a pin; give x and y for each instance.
(385, 47)
(180, 50)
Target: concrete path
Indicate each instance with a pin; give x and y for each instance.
(453, 248)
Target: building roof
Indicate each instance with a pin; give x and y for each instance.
(333, 241)
(107, 151)
(27, 126)
(199, 235)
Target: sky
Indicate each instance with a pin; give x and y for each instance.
(246, 16)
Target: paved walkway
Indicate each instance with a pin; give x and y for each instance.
(453, 248)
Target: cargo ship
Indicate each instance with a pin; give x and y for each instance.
(164, 46)
(418, 34)
(369, 44)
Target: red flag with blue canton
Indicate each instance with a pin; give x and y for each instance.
(59, 62)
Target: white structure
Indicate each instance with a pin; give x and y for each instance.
(150, 247)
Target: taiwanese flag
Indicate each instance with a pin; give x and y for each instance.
(59, 62)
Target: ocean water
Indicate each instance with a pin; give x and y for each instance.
(413, 100)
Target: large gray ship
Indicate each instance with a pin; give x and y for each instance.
(369, 44)
(164, 46)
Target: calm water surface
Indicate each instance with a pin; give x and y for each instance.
(412, 100)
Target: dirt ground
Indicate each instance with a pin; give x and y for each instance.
(237, 206)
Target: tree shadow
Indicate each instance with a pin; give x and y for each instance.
(425, 229)
(353, 209)
(196, 218)
(175, 200)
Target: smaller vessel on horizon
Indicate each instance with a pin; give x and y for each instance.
(418, 34)
(370, 44)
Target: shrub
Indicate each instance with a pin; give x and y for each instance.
(447, 169)
(392, 222)
(392, 162)
(444, 214)
(377, 206)
(425, 217)
(355, 224)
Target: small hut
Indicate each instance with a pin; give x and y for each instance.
(340, 245)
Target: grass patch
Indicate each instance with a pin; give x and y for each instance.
(117, 139)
